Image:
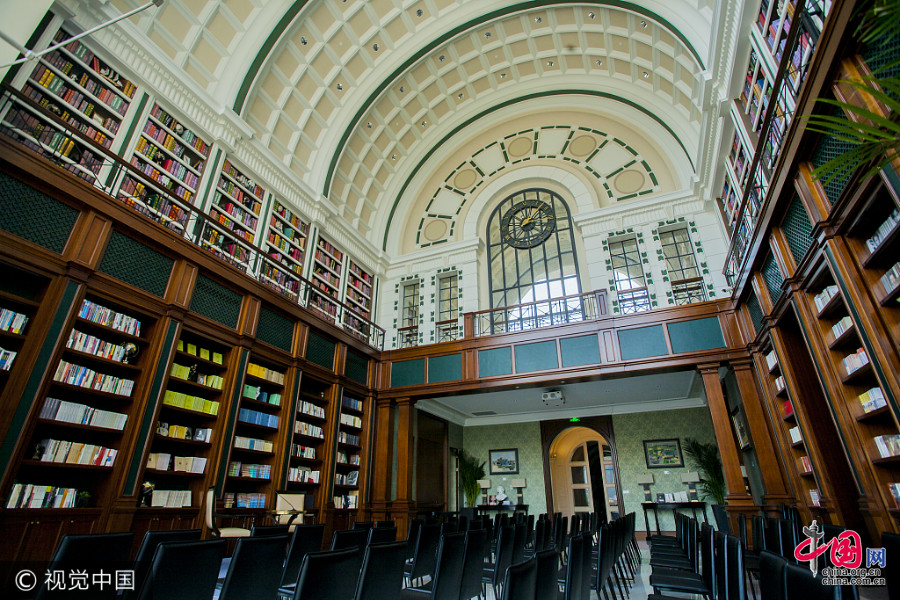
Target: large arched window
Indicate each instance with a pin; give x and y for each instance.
(531, 257)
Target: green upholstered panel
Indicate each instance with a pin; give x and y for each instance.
(583, 350)
(320, 350)
(445, 368)
(357, 367)
(536, 357)
(275, 329)
(134, 263)
(699, 334)
(35, 216)
(642, 342)
(496, 361)
(755, 309)
(216, 302)
(408, 372)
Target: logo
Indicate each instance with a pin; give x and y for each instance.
(845, 555)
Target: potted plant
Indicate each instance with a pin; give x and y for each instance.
(470, 471)
(708, 463)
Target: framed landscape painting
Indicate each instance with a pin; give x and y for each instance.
(504, 462)
(661, 454)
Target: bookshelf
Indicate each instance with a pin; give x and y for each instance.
(234, 210)
(285, 243)
(20, 297)
(86, 412)
(173, 157)
(307, 441)
(359, 297)
(181, 453)
(251, 463)
(326, 277)
(347, 461)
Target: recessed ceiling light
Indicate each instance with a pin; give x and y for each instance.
(375, 47)
(599, 63)
(302, 41)
(487, 34)
(340, 87)
(424, 123)
(402, 89)
(419, 12)
(393, 157)
(549, 63)
(369, 125)
(591, 15)
(538, 19)
(643, 24)
(460, 95)
(646, 75)
(502, 75)
(441, 58)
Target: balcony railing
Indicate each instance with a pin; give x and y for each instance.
(538, 314)
(64, 144)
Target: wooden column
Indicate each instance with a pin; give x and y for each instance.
(737, 499)
(403, 508)
(773, 477)
(383, 458)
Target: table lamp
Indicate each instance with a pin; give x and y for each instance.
(646, 480)
(485, 485)
(691, 478)
(518, 484)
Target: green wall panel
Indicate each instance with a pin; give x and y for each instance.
(536, 357)
(275, 329)
(132, 262)
(35, 216)
(445, 368)
(357, 367)
(699, 334)
(497, 361)
(583, 350)
(642, 342)
(408, 372)
(216, 302)
(320, 351)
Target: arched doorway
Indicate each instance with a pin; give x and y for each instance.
(583, 473)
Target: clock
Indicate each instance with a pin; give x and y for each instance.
(527, 224)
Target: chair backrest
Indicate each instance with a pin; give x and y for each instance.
(268, 530)
(210, 509)
(721, 559)
(380, 524)
(470, 584)
(425, 555)
(306, 539)
(540, 535)
(504, 553)
(605, 556)
(587, 539)
(520, 580)
(363, 525)
(772, 582)
(519, 536)
(788, 537)
(381, 575)
(734, 569)
(801, 583)
(449, 567)
(707, 557)
(759, 533)
(773, 536)
(330, 575)
(383, 535)
(891, 544)
(574, 569)
(86, 551)
(721, 517)
(412, 537)
(149, 543)
(350, 538)
(546, 585)
(255, 568)
(183, 570)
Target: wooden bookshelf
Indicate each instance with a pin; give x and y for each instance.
(285, 243)
(20, 296)
(348, 456)
(326, 277)
(359, 297)
(306, 451)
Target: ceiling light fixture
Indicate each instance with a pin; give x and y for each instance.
(643, 24)
(441, 58)
(419, 13)
(402, 89)
(302, 41)
(599, 63)
(340, 87)
(502, 75)
(591, 15)
(393, 157)
(487, 34)
(549, 63)
(646, 75)
(460, 95)
(369, 125)
(424, 123)
(375, 47)
(538, 20)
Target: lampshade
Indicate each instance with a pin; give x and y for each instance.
(517, 483)
(645, 478)
(484, 483)
(690, 477)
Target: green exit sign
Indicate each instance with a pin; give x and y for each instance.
(574, 420)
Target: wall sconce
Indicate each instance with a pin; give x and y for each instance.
(646, 480)
(518, 484)
(692, 478)
(485, 485)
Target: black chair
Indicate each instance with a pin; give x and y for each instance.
(692, 583)
(381, 575)
(470, 583)
(519, 535)
(363, 525)
(183, 570)
(572, 574)
(803, 585)
(721, 517)
(90, 552)
(736, 588)
(493, 573)
(412, 536)
(772, 582)
(425, 554)
(891, 544)
(520, 581)
(306, 539)
(269, 530)
(447, 573)
(546, 585)
(255, 568)
(383, 535)
(380, 524)
(330, 575)
(350, 538)
(148, 546)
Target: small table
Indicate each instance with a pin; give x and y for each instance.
(673, 506)
(293, 514)
(486, 508)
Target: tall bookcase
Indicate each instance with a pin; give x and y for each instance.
(359, 297)
(235, 212)
(326, 277)
(307, 442)
(286, 241)
(348, 456)
(20, 296)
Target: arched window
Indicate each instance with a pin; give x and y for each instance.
(531, 258)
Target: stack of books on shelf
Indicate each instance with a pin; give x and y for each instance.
(841, 326)
(348, 501)
(161, 461)
(308, 430)
(245, 500)
(253, 444)
(254, 471)
(181, 432)
(771, 360)
(855, 361)
(191, 374)
(795, 434)
(203, 353)
(804, 464)
(170, 498)
(81, 414)
(779, 383)
(190, 464)
(255, 392)
(82, 342)
(348, 438)
(883, 231)
(264, 373)
(303, 475)
(301, 451)
(814, 498)
(788, 408)
(88, 378)
(888, 445)
(823, 297)
(891, 279)
(351, 420)
(352, 402)
(76, 453)
(195, 403)
(895, 492)
(7, 357)
(12, 321)
(107, 317)
(872, 399)
(258, 418)
(308, 408)
(26, 495)
(351, 459)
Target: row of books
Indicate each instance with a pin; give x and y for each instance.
(280, 243)
(180, 130)
(788, 408)
(779, 383)
(348, 438)
(165, 181)
(265, 373)
(883, 230)
(346, 501)
(301, 451)
(12, 321)
(248, 443)
(75, 453)
(841, 326)
(256, 417)
(347, 459)
(330, 249)
(134, 193)
(81, 52)
(815, 498)
(89, 344)
(891, 279)
(225, 248)
(308, 429)
(888, 445)
(351, 420)
(290, 217)
(245, 500)
(27, 495)
(200, 352)
(81, 414)
(303, 475)
(85, 377)
(163, 137)
(351, 478)
(107, 317)
(162, 461)
(239, 213)
(872, 399)
(191, 374)
(796, 436)
(6, 359)
(895, 492)
(824, 297)
(230, 170)
(804, 464)
(855, 361)
(279, 278)
(351, 402)
(170, 498)
(222, 219)
(195, 403)
(172, 166)
(230, 190)
(252, 470)
(183, 432)
(333, 267)
(255, 392)
(308, 408)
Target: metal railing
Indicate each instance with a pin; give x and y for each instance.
(539, 313)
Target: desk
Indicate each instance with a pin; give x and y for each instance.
(673, 506)
(488, 508)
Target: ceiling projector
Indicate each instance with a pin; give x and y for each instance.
(553, 398)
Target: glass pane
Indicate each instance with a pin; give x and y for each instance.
(578, 476)
(578, 455)
(580, 498)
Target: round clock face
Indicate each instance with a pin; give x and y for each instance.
(527, 224)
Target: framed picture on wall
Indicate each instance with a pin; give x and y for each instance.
(504, 462)
(663, 454)
(740, 430)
